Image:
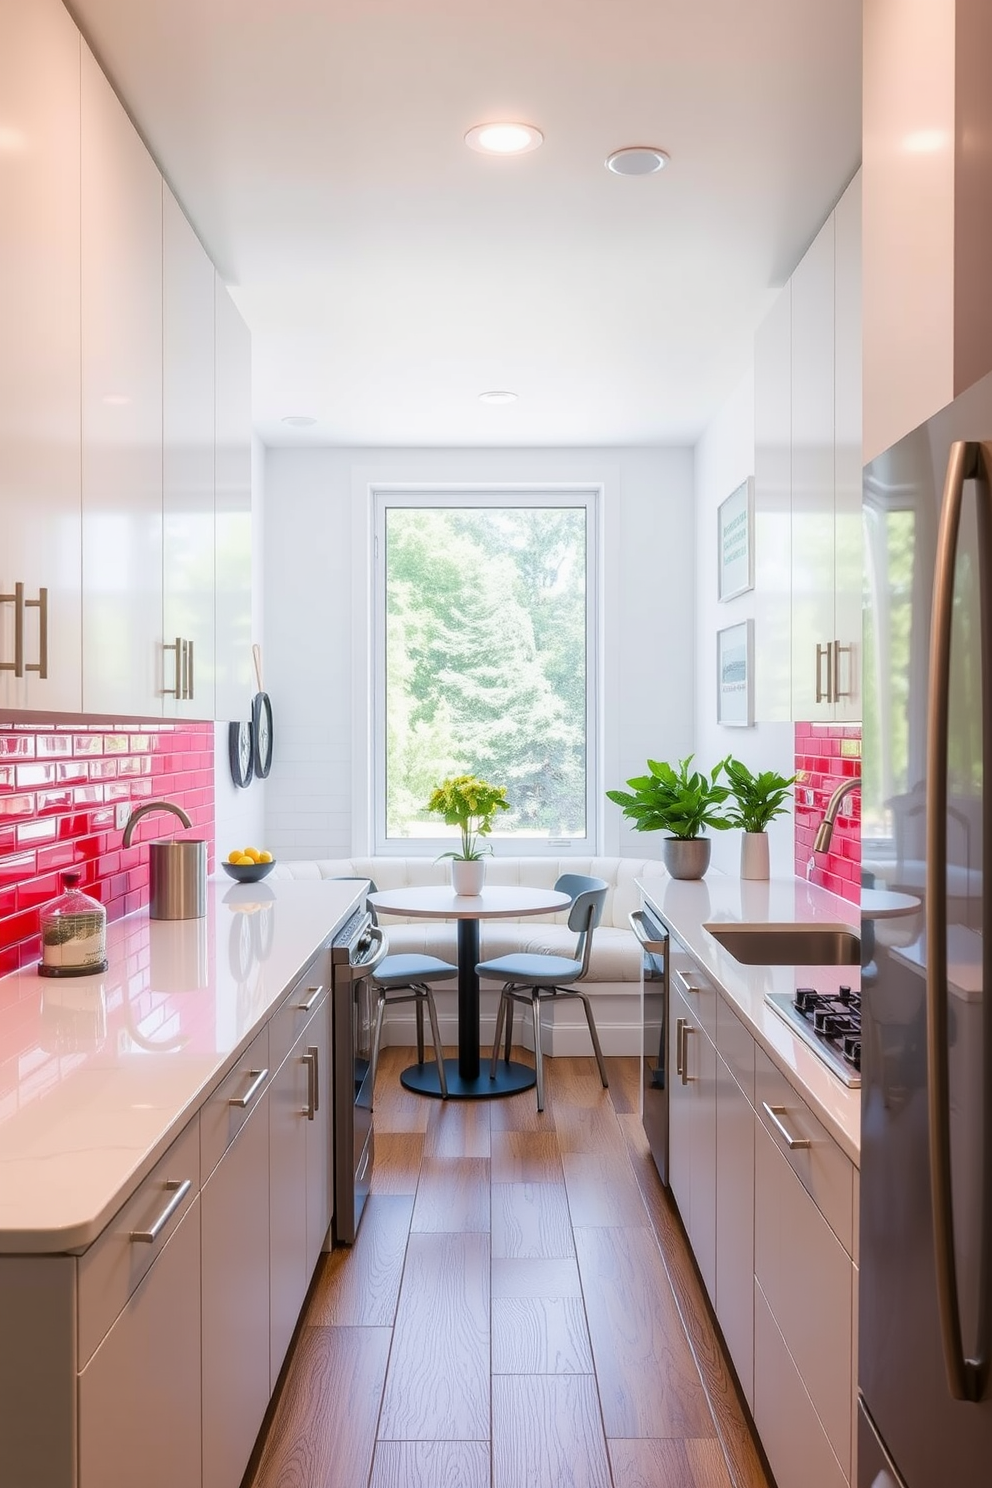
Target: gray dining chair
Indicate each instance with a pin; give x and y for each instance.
(531, 979)
(405, 978)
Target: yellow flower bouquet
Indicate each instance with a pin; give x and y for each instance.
(470, 804)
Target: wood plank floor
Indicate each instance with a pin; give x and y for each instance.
(520, 1310)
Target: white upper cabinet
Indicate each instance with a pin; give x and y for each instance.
(232, 495)
(927, 210)
(808, 483)
(847, 450)
(187, 679)
(121, 278)
(773, 511)
(40, 566)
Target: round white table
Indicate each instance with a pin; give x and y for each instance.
(440, 902)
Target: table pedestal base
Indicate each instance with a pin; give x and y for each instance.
(510, 1078)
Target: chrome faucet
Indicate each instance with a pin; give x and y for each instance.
(825, 830)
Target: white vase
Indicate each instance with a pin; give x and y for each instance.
(468, 875)
(754, 855)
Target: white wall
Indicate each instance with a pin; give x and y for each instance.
(240, 814)
(317, 570)
(724, 458)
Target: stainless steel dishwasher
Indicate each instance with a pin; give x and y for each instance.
(355, 953)
(653, 939)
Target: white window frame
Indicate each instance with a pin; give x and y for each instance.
(433, 495)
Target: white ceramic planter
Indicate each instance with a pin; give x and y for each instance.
(468, 875)
(754, 855)
(686, 857)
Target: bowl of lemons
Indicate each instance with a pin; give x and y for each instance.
(248, 864)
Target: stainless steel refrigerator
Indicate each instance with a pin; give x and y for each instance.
(926, 1213)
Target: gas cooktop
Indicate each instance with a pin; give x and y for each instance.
(830, 1023)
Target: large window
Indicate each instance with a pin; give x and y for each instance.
(484, 611)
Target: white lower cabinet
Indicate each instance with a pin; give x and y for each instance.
(768, 1200)
(139, 1395)
(299, 1191)
(735, 1223)
(234, 1218)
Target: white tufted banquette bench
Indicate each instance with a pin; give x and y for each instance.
(613, 983)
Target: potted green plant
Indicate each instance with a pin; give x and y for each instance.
(470, 804)
(679, 802)
(757, 800)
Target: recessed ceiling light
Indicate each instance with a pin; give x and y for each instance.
(498, 395)
(298, 420)
(637, 160)
(504, 139)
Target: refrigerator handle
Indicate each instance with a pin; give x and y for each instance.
(966, 1378)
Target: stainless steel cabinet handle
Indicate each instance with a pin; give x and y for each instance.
(304, 1007)
(176, 690)
(259, 1079)
(840, 651)
(189, 669)
(309, 1059)
(774, 1113)
(691, 986)
(687, 1028)
(679, 1025)
(41, 605)
(966, 1378)
(824, 652)
(315, 1051)
(179, 1188)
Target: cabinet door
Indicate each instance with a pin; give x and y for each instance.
(288, 1275)
(187, 468)
(232, 496)
(773, 512)
(848, 542)
(679, 1111)
(735, 1224)
(234, 1206)
(319, 1137)
(121, 278)
(39, 352)
(792, 1244)
(139, 1396)
(813, 479)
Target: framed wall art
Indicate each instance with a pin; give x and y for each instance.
(735, 541)
(735, 675)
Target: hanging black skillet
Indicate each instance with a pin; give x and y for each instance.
(261, 722)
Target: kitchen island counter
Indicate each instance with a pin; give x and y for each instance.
(687, 906)
(98, 1074)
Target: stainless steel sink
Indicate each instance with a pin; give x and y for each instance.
(789, 945)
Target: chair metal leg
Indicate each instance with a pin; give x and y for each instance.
(380, 1009)
(538, 1057)
(438, 1049)
(419, 1008)
(595, 1039)
(504, 1002)
(509, 1028)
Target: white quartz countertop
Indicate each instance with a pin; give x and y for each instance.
(687, 906)
(98, 1074)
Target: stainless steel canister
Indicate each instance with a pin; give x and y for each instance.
(177, 870)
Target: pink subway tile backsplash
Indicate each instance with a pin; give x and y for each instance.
(827, 755)
(67, 785)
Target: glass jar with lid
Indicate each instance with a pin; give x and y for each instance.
(73, 933)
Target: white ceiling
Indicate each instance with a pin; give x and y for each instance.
(389, 274)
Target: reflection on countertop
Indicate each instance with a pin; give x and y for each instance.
(686, 906)
(97, 1074)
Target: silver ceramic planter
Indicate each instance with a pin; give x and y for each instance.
(686, 857)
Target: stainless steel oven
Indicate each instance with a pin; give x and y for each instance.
(652, 937)
(355, 953)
